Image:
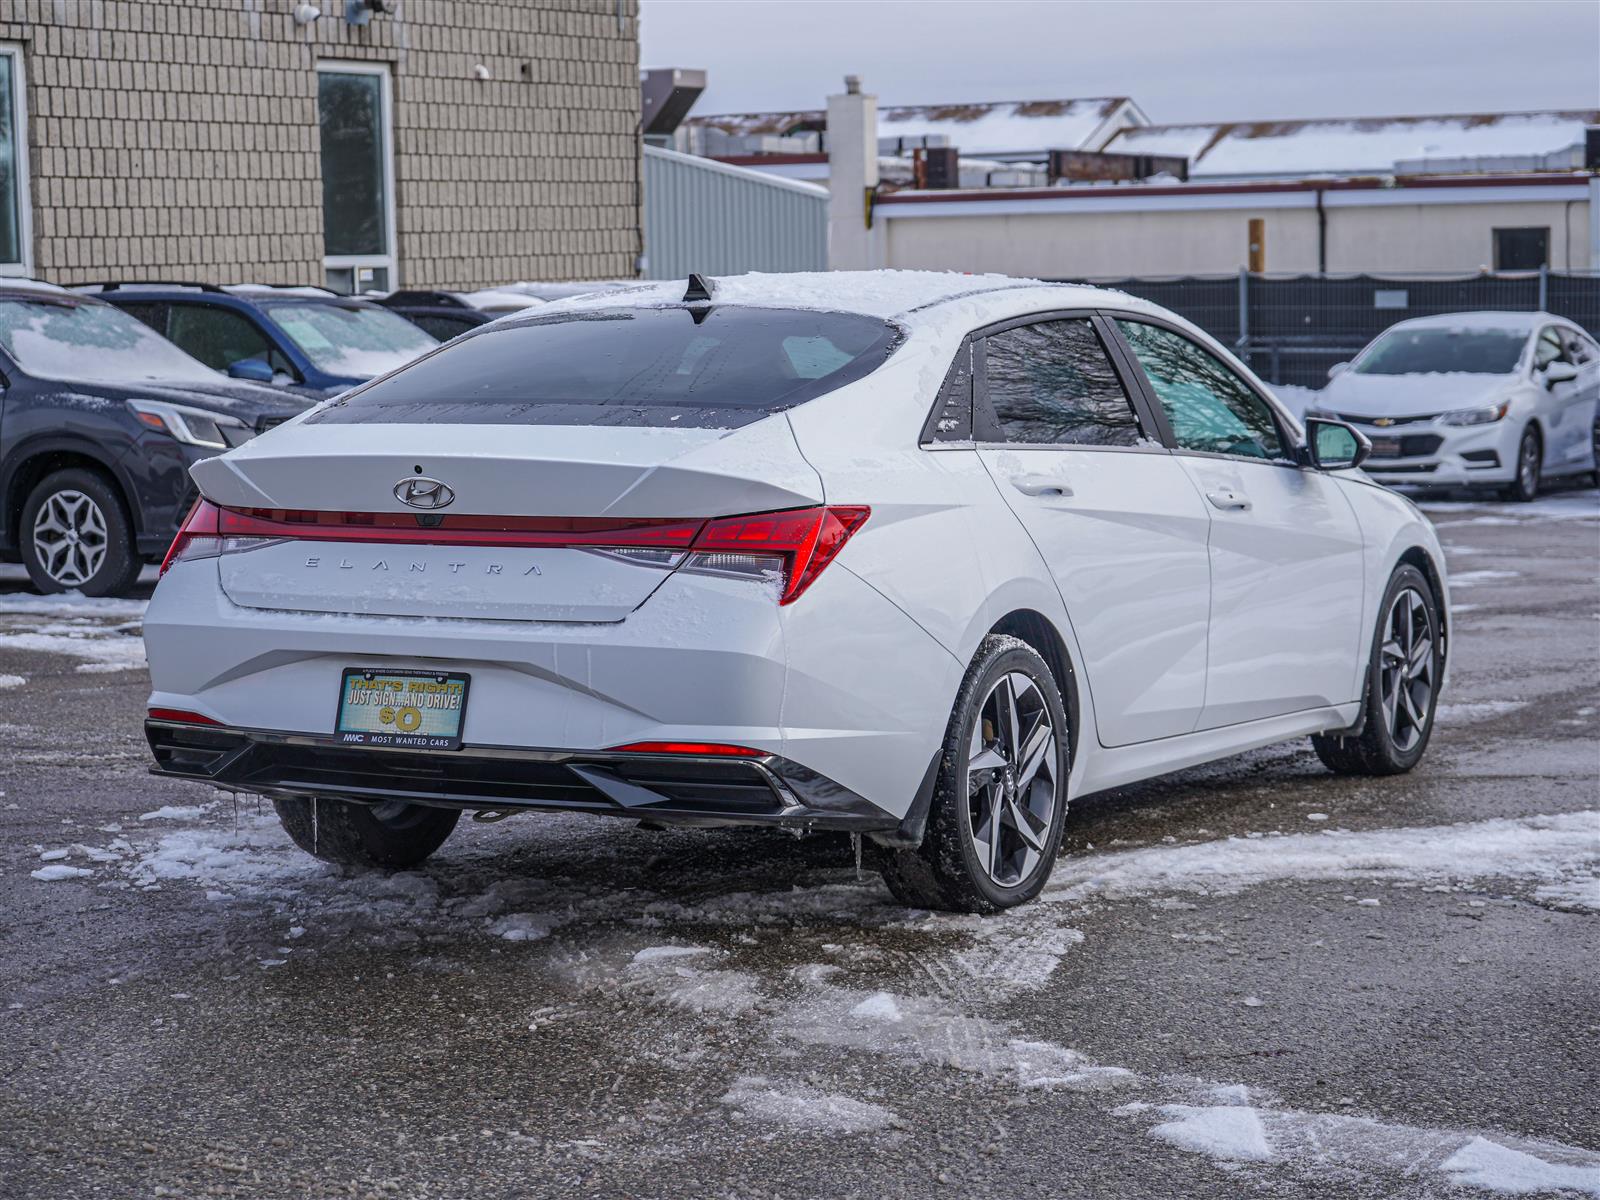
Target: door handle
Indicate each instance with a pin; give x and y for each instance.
(1040, 485)
(1229, 499)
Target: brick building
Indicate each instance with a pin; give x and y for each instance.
(442, 143)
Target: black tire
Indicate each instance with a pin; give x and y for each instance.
(103, 536)
(393, 835)
(1530, 468)
(945, 871)
(1377, 749)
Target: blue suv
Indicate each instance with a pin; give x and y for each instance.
(309, 341)
(100, 421)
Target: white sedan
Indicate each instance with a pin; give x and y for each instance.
(913, 556)
(1468, 399)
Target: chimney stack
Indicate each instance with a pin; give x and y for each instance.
(852, 177)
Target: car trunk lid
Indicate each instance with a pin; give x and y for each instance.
(547, 523)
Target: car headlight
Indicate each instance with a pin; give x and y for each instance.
(1476, 416)
(192, 426)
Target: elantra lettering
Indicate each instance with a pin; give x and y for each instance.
(421, 568)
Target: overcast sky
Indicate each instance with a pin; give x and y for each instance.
(1182, 60)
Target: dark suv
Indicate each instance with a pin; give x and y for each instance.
(446, 314)
(100, 420)
(302, 339)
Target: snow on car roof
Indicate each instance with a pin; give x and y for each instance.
(20, 284)
(1516, 322)
(500, 300)
(873, 293)
(285, 290)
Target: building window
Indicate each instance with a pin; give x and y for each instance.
(15, 235)
(1524, 249)
(353, 111)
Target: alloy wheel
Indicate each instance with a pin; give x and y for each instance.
(1011, 780)
(1528, 466)
(69, 536)
(1407, 664)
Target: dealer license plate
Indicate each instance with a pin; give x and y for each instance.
(420, 710)
(1385, 447)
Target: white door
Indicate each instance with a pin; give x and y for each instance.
(1567, 407)
(1286, 561)
(1112, 513)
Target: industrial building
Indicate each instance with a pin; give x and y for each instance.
(370, 144)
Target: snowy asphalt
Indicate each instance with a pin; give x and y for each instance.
(1251, 979)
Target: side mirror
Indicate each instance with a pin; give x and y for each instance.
(1334, 445)
(1338, 369)
(256, 370)
(1559, 372)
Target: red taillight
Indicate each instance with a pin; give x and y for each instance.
(199, 525)
(661, 533)
(807, 539)
(709, 749)
(183, 716)
(798, 542)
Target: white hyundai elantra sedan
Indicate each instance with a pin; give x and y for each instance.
(914, 556)
(1503, 399)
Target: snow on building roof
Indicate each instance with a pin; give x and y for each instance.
(1353, 146)
(996, 127)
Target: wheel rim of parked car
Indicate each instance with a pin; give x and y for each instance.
(69, 536)
(1407, 669)
(1011, 779)
(1528, 465)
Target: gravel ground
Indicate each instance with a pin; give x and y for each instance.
(1222, 994)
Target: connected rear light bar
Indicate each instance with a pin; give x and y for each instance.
(794, 545)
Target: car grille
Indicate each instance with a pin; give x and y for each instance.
(1390, 422)
(1420, 445)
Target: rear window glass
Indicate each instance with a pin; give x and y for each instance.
(707, 368)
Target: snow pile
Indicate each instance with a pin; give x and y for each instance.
(72, 604)
(1324, 1144)
(1563, 506)
(113, 652)
(1495, 1167)
(799, 1108)
(11, 681)
(174, 812)
(1229, 1132)
(1546, 849)
(55, 871)
(101, 631)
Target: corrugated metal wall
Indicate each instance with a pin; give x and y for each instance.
(706, 216)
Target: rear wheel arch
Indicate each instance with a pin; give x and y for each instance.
(1038, 631)
(1419, 558)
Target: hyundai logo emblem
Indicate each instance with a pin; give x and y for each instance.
(421, 492)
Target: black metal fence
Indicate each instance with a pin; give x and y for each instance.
(1291, 329)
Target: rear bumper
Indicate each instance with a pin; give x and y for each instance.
(675, 789)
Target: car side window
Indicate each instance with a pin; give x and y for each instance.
(152, 313)
(1208, 406)
(1052, 383)
(1548, 349)
(441, 326)
(1580, 350)
(220, 337)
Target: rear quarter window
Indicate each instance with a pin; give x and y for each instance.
(697, 368)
